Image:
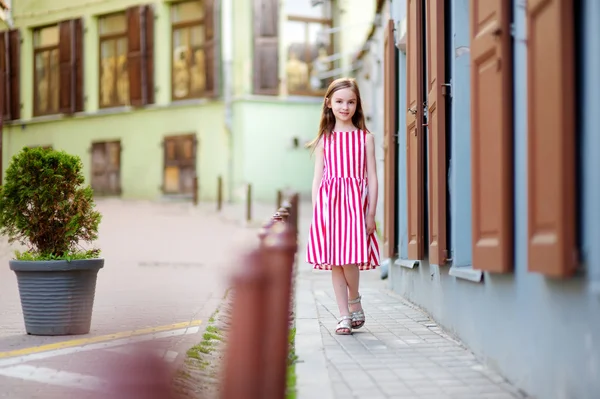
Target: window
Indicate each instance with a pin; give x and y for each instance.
(308, 46)
(9, 74)
(106, 168)
(47, 81)
(193, 49)
(58, 76)
(114, 76)
(179, 164)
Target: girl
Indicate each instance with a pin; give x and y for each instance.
(344, 195)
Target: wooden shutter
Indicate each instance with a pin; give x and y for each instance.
(211, 48)
(140, 25)
(266, 47)
(149, 56)
(4, 74)
(71, 66)
(10, 61)
(414, 128)
(79, 57)
(436, 104)
(389, 143)
(491, 135)
(551, 172)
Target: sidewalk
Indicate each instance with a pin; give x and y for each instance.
(399, 353)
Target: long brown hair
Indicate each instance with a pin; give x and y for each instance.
(328, 119)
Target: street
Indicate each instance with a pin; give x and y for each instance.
(165, 273)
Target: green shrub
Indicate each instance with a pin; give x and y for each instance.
(44, 205)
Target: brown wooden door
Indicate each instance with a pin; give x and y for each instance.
(106, 168)
(389, 142)
(180, 164)
(551, 175)
(436, 119)
(414, 128)
(491, 135)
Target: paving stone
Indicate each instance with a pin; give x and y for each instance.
(399, 353)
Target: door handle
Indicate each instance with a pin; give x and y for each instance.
(412, 111)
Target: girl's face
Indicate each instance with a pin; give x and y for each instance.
(343, 104)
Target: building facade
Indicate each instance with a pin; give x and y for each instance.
(154, 94)
(492, 180)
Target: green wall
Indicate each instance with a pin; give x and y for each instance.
(141, 135)
(263, 139)
(140, 131)
(261, 147)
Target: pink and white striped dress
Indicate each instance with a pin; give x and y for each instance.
(337, 234)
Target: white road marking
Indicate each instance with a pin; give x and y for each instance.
(169, 356)
(100, 345)
(55, 377)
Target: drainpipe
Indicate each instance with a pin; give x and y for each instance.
(227, 58)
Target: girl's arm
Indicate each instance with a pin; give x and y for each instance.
(318, 175)
(372, 174)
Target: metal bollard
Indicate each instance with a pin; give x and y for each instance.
(279, 198)
(219, 193)
(244, 355)
(195, 188)
(279, 252)
(249, 202)
(294, 212)
(264, 230)
(284, 213)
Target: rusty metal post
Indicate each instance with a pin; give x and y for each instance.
(264, 230)
(284, 213)
(279, 198)
(195, 188)
(294, 212)
(219, 193)
(249, 202)
(279, 251)
(244, 354)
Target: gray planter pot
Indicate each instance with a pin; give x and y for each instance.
(57, 296)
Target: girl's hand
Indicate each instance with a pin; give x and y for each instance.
(370, 224)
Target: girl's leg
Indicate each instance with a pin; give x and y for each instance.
(352, 275)
(340, 288)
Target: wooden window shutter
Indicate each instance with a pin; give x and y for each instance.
(79, 57)
(491, 136)
(4, 73)
(551, 172)
(14, 37)
(211, 49)
(149, 56)
(414, 129)
(70, 56)
(266, 47)
(140, 24)
(436, 104)
(389, 144)
(10, 61)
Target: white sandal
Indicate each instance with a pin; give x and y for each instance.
(344, 323)
(357, 316)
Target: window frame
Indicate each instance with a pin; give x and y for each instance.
(114, 37)
(190, 24)
(307, 21)
(36, 51)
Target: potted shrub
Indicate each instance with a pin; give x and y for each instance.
(44, 206)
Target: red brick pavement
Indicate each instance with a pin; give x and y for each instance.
(166, 263)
